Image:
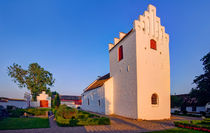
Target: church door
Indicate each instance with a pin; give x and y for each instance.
(44, 103)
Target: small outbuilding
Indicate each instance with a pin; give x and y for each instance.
(43, 101)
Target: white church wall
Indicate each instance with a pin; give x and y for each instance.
(108, 87)
(94, 96)
(124, 77)
(153, 73)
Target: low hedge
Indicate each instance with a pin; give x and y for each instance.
(62, 122)
(206, 121)
(66, 116)
(192, 125)
(37, 111)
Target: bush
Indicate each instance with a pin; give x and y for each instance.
(61, 121)
(104, 121)
(206, 121)
(203, 113)
(36, 111)
(16, 112)
(184, 112)
(192, 125)
(66, 116)
(65, 112)
(73, 122)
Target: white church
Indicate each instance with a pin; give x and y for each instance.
(138, 85)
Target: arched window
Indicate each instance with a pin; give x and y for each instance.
(88, 102)
(154, 99)
(153, 44)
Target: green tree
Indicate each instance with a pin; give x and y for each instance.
(56, 101)
(176, 101)
(202, 90)
(35, 78)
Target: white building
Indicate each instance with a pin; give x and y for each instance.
(43, 101)
(138, 85)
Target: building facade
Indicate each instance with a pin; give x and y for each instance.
(139, 86)
(43, 101)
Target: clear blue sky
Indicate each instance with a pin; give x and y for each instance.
(70, 39)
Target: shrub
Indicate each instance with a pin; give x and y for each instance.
(82, 116)
(193, 125)
(184, 112)
(16, 112)
(61, 121)
(206, 121)
(92, 121)
(66, 116)
(65, 112)
(36, 111)
(73, 122)
(104, 121)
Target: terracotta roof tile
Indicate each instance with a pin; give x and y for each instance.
(98, 83)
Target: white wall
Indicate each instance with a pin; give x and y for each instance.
(19, 104)
(93, 96)
(44, 96)
(108, 85)
(153, 67)
(189, 109)
(125, 86)
(200, 108)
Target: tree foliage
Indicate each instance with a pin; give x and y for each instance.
(202, 90)
(56, 101)
(35, 78)
(176, 101)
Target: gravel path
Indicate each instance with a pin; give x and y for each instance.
(118, 125)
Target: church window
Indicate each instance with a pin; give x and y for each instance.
(120, 53)
(154, 99)
(153, 44)
(88, 102)
(99, 103)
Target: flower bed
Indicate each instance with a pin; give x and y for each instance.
(66, 116)
(194, 125)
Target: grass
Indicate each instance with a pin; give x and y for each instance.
(23, 123)
(177, 130)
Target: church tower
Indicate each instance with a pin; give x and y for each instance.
(140, 68)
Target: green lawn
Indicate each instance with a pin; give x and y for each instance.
(177, 130)
(23, 123)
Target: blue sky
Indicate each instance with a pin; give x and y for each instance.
(70, 38)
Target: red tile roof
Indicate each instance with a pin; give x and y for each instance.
(98, 83)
